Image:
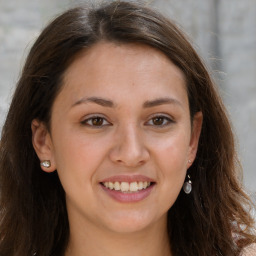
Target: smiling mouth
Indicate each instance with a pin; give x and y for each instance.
(127, 187)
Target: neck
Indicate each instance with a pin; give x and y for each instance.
(97, 242)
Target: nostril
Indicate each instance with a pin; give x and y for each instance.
(129, 151)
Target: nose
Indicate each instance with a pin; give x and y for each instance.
(129, 148)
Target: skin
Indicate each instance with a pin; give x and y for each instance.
(138, 134)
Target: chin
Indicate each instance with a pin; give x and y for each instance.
(130, 222)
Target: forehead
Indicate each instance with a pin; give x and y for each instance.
(122, 68)
(107, 56)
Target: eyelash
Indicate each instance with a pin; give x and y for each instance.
(90, 119)
(103, 122)
(166, 121)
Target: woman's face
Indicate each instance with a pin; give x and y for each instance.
(121, 137)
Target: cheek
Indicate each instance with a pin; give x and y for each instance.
(170, 157)
(172, 162)
(76, 157)
(172, 150)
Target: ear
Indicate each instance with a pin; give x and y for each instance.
(195, 135)
(42, 144)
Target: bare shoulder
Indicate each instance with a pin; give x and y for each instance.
(249, 250)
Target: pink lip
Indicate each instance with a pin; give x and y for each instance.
(129, 197)
(127, 178)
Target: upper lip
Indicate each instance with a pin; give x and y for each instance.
(127, 178)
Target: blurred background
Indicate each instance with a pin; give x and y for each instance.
(222, 31)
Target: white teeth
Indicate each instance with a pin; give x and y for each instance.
(117, 186)
(126, 186)
(134, 186)
(110, 185)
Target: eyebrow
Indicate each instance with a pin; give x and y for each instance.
(161, 101)
(100, 101)
(108, 103)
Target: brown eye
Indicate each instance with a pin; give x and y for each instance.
(96, 121)
(159, 120)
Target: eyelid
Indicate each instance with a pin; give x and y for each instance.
(169, 119)
(93, 116)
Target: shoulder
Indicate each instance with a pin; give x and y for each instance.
(249, 250)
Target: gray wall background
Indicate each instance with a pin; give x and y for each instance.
(223, 32)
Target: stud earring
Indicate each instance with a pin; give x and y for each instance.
(187, 186)
(46, 163)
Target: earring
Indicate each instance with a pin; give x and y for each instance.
(46, 163)
(187, 186)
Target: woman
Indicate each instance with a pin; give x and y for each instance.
(117, 143)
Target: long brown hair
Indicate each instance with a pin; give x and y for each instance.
(212, 220)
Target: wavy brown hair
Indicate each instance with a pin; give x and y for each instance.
(212, 220)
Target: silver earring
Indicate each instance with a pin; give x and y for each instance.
(46, 163)
(187, 186)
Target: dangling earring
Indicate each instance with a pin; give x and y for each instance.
(46, 163)
(187, 186)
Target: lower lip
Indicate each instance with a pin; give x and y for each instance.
(129, 197)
